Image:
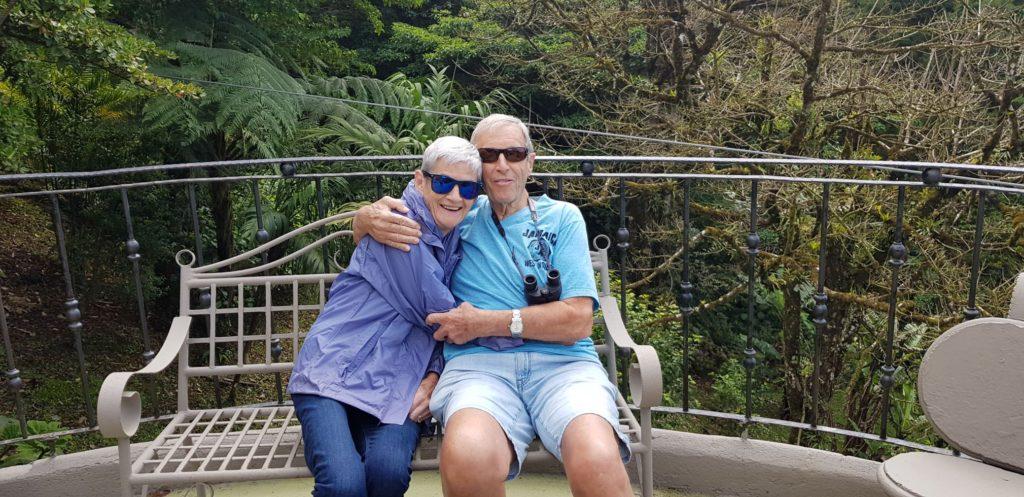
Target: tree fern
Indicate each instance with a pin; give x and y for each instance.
(401, 127)
(251, 123)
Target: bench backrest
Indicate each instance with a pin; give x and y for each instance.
(969, 386)
(256, 318)
(970, 389)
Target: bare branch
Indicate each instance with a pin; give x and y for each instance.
(734, 21)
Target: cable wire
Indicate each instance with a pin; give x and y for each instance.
(605, 134)
(569, 130)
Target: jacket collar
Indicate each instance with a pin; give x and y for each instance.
(419, 212)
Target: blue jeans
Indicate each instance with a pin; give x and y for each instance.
(351, 453)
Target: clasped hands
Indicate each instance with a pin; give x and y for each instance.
(459, 325)
(455, 326)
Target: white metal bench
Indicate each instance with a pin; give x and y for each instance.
(204, 446)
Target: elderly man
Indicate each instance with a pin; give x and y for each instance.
(514, 371)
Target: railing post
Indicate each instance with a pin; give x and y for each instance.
(971, 311)
(288, 171)
(321, 213)
(560, 183)
(622, 235)
(132, 247)
(819, 315)
(205, 297)
(897, 258)
(71, 311)
(262, 236)
(686, 297)
(195, 223)
(753, 248)
(14, 381)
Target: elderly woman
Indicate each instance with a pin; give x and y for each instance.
(363, 379)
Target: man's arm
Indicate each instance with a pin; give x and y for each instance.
(383, 225)
(564, 321)
(411, 282)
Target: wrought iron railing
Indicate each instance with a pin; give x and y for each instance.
(829, 174)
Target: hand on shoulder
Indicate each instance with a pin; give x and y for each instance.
(380, 221)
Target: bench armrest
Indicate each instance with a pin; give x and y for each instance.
(644, 375)
(119, 412)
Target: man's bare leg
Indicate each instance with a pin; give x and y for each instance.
(475, 456)
(590, 452)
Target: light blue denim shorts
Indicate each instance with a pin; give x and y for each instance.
(529, 394)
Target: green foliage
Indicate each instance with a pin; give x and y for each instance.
(413, 48)
(906, 419)
(19, 137)
(73, 33)
(28, 451)
(49, 50)
(350, 128)
(652, 321)
(298, 36)
(229, 121)
(359, 129)
(373, 13)
(728, 387)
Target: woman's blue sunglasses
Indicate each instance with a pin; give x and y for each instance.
(442, 185)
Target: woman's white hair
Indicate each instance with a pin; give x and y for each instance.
(495, 121)
(453, 150)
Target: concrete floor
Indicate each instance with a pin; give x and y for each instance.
(424, 484)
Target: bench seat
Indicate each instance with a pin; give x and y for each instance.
(265, 443)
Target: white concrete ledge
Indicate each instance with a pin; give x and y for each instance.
(708, 464)
(92, 473)
(729, 466)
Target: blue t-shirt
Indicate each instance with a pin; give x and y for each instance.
(487, 276)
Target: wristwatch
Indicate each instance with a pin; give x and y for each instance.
(516, 326)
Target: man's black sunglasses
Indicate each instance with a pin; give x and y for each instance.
(442, 185)
(512, 154)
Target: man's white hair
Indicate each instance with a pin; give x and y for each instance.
(495, 121)
(453, 150)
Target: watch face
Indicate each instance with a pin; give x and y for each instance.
(516, 326)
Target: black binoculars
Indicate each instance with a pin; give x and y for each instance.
(537, 294)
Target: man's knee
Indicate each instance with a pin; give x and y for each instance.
(590, 444)
(475, 448)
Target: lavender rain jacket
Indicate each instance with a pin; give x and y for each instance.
(370, 347)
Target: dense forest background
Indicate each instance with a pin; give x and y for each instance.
(89, 85)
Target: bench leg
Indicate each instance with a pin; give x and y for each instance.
(204, 490)
(646, 475)
(647, 461)
(124, 465)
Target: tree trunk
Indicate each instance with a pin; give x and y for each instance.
(802, 121)
(220, 207)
